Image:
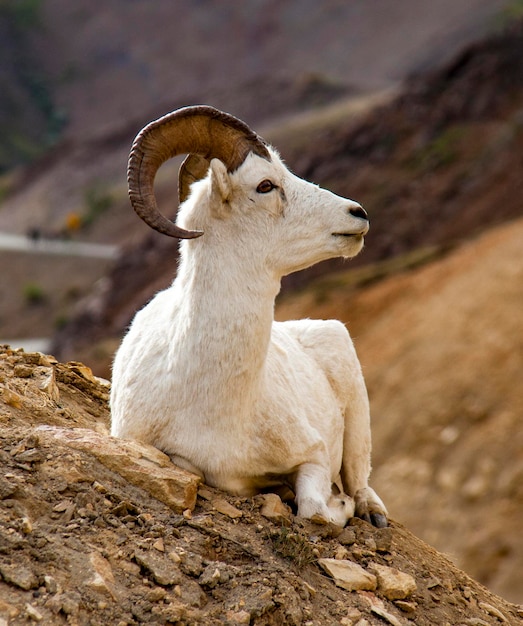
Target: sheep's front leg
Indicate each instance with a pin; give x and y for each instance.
(370, 507)
(356, 466)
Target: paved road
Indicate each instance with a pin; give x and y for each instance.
(35, 344)
(57, 246)
(19, 243)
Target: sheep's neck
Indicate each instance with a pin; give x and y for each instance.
(228, 312)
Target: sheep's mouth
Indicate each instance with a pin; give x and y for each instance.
(355, 235)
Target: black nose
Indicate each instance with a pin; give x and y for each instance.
(359, 212)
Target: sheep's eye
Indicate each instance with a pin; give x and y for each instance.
(265, 186)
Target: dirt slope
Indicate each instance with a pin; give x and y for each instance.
(442, 351)
(85, 540)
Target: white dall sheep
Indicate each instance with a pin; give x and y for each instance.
(205, 373)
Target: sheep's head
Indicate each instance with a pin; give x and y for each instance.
(202, 132)
(250, 191)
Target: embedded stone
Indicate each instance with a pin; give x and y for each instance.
(48, 385)
(274, 509)
(11, 398)
(349, 575)
(392, 583)
(142, 465)
(102, 578)
(222, 506)
(161, 568)
(18, 575)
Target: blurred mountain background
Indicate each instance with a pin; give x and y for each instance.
(413, 108)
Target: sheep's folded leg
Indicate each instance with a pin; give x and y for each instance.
(313, 490)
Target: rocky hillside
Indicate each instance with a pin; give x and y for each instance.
(97, 531)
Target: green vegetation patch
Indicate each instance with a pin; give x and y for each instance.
(440, 152)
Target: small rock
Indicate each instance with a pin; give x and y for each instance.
(215, 574)
(82, 370)
(33, 455)
(388, 617)
(274, 509)
(192, 594)
(383, 539)
(130, 567)
(33, 613)
(62, 506)
(142, 465)
(392, 583)
(23, 371)
(370, 544)
(341, 553)
(70, 603)
(492, 610)
(7, 488)
(192, 564)
(309, 589)
(175, 557)
(434, 582)
(26, 526)
(239, 617)
(19, 575)
(406, 607)
(161, 568)
(11, 398)
(347, 537)
(48, 385)
(205, 493)
(156, 594)
(349, 575)
(159, 545)
(50, 584)
(353, 617)
(37, 358)
(102, 578)
(173, 612)
(222, 506)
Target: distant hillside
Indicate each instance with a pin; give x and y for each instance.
(90, 77)
(30, 122)
(86, 79)
(433, 167)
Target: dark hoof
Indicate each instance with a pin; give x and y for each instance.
(379, 520)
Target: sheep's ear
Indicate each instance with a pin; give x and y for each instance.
(220, 182)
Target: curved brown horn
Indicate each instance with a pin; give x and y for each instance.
(197, 130)
(194, 168)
